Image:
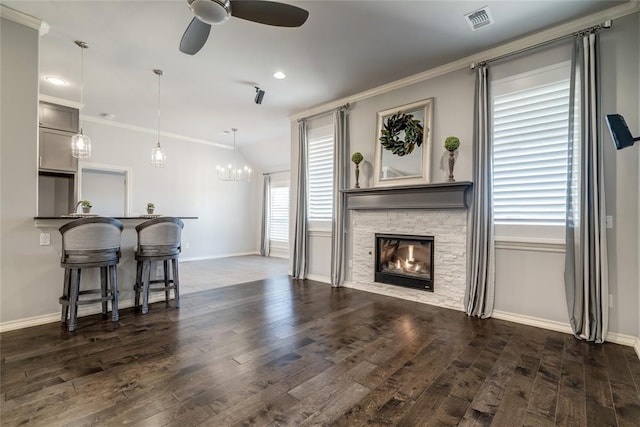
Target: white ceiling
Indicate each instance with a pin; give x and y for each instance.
(344, 47)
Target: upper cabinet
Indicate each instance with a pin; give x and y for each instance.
(55, 151)
(57, 125)
(58, 117)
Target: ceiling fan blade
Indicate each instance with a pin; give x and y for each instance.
(194, 37)
(269, 13)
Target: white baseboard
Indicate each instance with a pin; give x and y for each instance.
(523, 319)
(204, 258)
(84, 310)
(318, 278)
(612, 337)
(279, 253)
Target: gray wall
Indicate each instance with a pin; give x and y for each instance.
(529, 282)
(186, 186)
(23, 264)
(31, 278)
(620, 86)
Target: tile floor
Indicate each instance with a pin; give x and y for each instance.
(215, 273)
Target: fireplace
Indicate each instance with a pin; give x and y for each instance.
(404, 260)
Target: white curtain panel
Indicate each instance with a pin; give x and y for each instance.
(299, 247)
(265, 237)
(586, 264)
(479, 294)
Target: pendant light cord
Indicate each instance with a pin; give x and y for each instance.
(234, 151)
(81, 76)
(159, 74)
(82, 46)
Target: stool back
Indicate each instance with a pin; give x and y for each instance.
(91, 241)
(160, 237)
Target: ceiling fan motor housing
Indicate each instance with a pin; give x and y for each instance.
(211, 11)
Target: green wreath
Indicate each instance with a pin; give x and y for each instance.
(391, 129)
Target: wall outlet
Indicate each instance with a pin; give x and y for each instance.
(45, 239)
(609, 219)
(186, 245)
(350, 263)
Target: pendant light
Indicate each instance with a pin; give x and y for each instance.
(232, 172)
(81, 143)
(158, 155)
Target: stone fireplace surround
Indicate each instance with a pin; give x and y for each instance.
(438, 210)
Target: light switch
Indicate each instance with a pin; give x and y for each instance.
(45, 239)
(609, 220)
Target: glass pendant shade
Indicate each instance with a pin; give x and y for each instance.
(158, 156)
(81, 146)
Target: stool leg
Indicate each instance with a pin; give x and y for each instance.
(65, 295)
(138, 285)
(166, 280)
(146, 277)
(73, 299)
(176, 281)
(103, 287)
(114, 291)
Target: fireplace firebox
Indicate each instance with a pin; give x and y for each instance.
(404, 260)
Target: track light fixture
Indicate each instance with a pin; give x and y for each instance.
(259, 95)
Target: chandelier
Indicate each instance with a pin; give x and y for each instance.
(158, 155)
(81, 143)
(232, 172)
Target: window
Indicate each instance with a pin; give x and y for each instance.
(530, 147)
(320, 174)
(279, 213)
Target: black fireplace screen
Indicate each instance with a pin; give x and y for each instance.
(404, 260)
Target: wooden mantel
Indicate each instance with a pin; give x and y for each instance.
(444, 195)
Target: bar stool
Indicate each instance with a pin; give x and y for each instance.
(88, 243)
(158, 240)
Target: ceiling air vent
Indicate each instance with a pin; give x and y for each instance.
(479, 18)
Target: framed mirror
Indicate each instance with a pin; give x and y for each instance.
(411, 163)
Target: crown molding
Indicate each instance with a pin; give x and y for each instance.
(24, 19)
(121, 125)
(150, 131)
(61, 101)
(525, 42)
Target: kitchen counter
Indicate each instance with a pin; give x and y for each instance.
(58, 221)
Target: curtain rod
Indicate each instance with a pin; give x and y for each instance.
(271, 173)
(606, 25)
(324, 113)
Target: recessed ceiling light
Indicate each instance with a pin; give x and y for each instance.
(55, 81)
(279, 75)
(107, 116)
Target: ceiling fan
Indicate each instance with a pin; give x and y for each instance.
(212, 12)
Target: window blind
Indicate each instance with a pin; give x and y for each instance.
(279, 214)
(320, 176)
(530, 143)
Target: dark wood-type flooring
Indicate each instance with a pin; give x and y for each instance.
(280, 352)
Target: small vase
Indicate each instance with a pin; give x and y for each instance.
(86, 210)
(452, 161)
(357, 175)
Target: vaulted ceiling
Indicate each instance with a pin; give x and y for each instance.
(343, 48)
